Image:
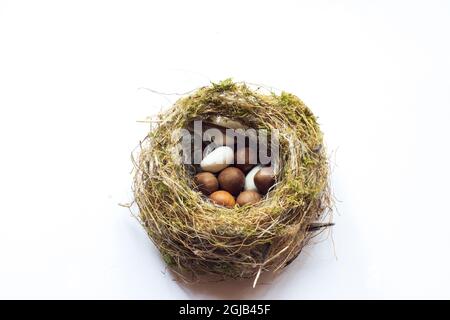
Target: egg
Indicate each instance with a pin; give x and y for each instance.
(249, 183)
(223, 198)
(210, 147)
(218, 159)
(206, 182)
(264, 179)
(248, 197)
(228, 123)
(232, 180)
(245, 159)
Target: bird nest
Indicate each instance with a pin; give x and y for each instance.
(196, 237)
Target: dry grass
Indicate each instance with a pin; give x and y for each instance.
(196, 237)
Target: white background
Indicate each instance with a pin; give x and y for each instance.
(377, 73)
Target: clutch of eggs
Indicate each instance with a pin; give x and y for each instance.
(230, 178)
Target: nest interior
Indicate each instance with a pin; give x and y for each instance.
(196, 237)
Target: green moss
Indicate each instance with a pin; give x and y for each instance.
(224, 85)
(168, 259)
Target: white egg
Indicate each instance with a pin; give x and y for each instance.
(218, 159)
(228, 123)
(249, 183)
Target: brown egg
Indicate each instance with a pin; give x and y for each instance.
(248, 197)
(245, 159)
(206, 182)
(264, 179)
(223, 198)
(232, 180)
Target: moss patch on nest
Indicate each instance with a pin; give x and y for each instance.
(194, 236)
